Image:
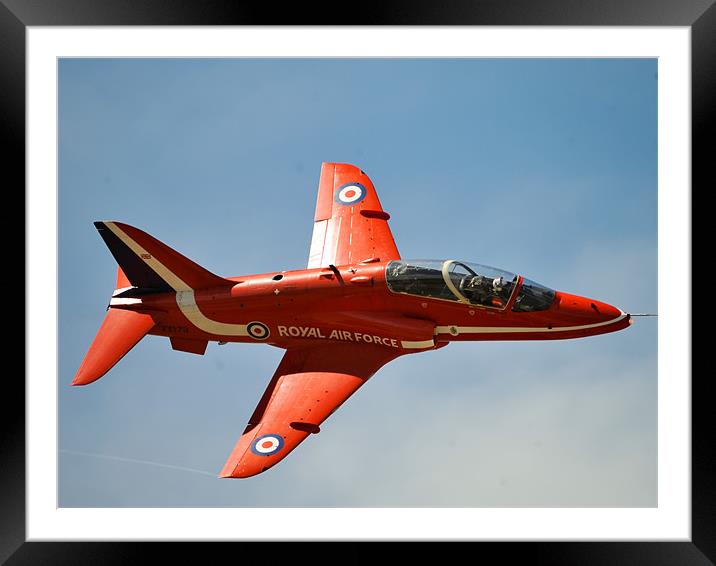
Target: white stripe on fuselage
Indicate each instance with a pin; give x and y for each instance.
(185, 294)
(520, 329)
(114, 301)
(409, 345)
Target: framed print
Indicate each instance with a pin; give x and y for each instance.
(137, 121)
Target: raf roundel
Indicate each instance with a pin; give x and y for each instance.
(350, 194)
(267, 444)
(257, 330)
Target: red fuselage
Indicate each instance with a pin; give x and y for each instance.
(355, 304)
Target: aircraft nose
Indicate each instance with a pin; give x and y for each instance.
(583, 310)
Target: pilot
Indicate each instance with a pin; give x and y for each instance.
(477, 289)
(498, 284)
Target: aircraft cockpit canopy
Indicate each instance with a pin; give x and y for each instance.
(465, 282)
(533, 297)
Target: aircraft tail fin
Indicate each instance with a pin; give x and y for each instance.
(119, 333)
(147, 263)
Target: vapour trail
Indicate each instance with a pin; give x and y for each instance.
(135, 461)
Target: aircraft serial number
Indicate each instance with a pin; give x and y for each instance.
(174, 329)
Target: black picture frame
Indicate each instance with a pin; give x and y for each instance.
(17, 15)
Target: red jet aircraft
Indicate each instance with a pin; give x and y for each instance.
(355, 308)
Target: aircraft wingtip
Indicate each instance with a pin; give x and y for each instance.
(85, 377)
(240, 472)
(227, 471)
(79, 380)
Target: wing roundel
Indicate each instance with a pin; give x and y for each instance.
(350, 224)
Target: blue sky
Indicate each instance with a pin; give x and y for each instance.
(544, 167)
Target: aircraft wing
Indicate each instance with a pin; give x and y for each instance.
(350, 225)
(308, 386)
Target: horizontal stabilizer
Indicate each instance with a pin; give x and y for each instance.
(120, 331)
